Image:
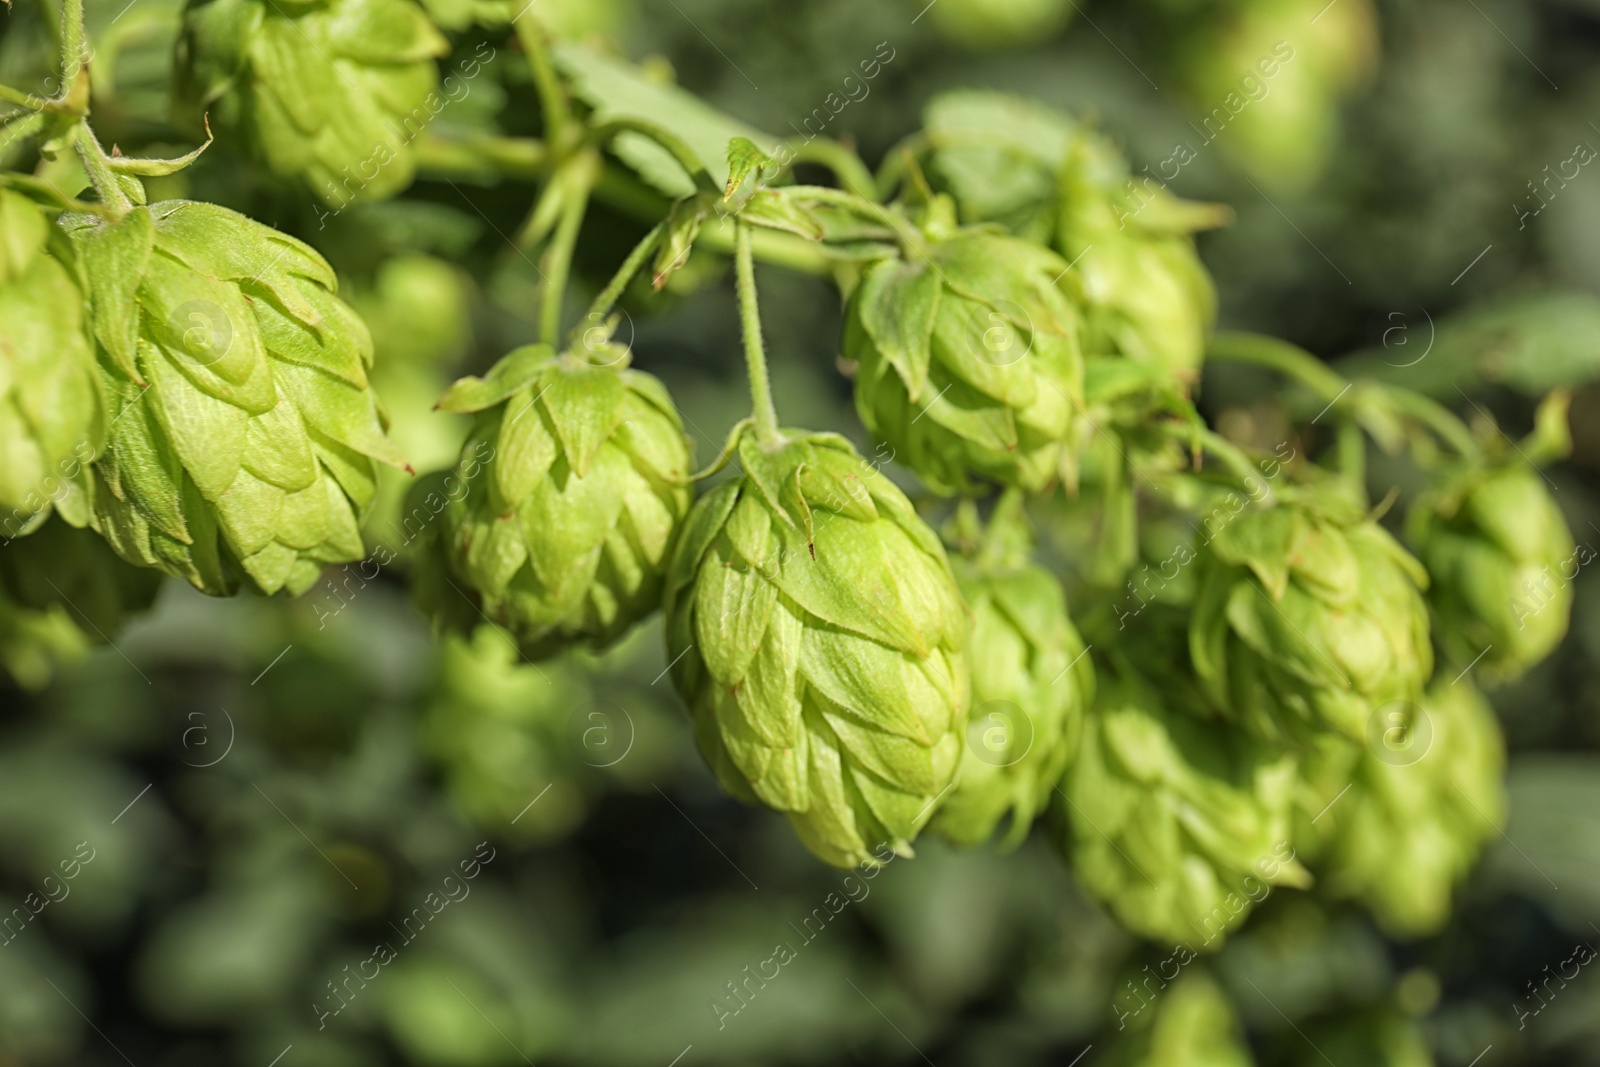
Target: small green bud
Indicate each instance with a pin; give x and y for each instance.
(1193, 1024)
(562, 513)
(327, 92)
(52, 415)
(1178, 826)
(1031, 680)
(1425, 792)
(243, 432)
(816, 634)
(1502, 561)
(1308, 617)
(968, 362)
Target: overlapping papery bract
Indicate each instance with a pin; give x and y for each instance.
(1424, 794)
(968, 362)
(328, 92)
(1177, 825)
(52, 415)
(1031, 681)
(242, 433)
(569, 496)
(1309, 617)
(816, 634)
(1502, 563)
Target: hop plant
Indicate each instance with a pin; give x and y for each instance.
(968, 362)
(244, 432)
(1194, 1026)
(570, 493)
(817, 636)
(327, 92)
(1031, 681)
(52, 416)
(1502, 561)
(1178, 826)
(1308, 617)
(1424, 795)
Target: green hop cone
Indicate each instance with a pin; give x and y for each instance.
(1194, 1025)
(1308, 617)
(1031, 681)
(328, 92)
(817, 636)
(52, 416)
(1145, 293)
(1178, 826)
(968, 363)
(568, 498)
(244, 431)
(1502, 561)
(1425, 792)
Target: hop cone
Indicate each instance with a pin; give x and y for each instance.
(1308, 617)
(1425, 792)
(568, 497)
(328, 92)
(1194, 1025)
(817, 636)
(1030, 684)
(968, 362)
(52, 417)
(1146, 295)
(244, 433)
(1502, 562)
(1180, 827)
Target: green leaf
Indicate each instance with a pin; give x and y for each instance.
(744, 159)
(516, 370)
(775, 210)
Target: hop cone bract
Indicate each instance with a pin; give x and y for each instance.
(568, 497)
(243, 433)
(1031, 682)
(1194, 1025)
(816, 635)
(328, 92)
(1178, 826)
(1308, 617)
(1502, 563)
(52, 417)
(968, 362)
(1424, 794)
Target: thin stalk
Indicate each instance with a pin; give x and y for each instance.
(765, 414)
(72, 44)
(1436, 417)
(845, 164)
(99, 171)
(860, 206)
(21, 99)
(608, 297)
(552, 96)
(481, 156)
(558, 262)
(1281, 356)
(1239, 465)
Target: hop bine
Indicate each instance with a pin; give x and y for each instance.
(968, 362)
(1502, 561)
(817, 636)
(243, 434)
(1179, 826)
(52, 415)
(329, 92)
(1308, 617)
(570, 493)
(1425, 793)
(1031, 681)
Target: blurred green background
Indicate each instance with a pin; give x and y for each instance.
(270, 789)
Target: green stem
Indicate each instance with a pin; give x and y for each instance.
(72, 43)
(681, 152)
(1281, 356)
(860, 206)
(552, 96)
(845, 164)
(15, 130)
(1238, 464)
(476, 157)
(608, 297)
(558, 262)
(766, 416)
(1436, 417)
(21, 99)
(99, 171)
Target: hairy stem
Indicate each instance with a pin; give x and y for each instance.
(100, 173)
(553, 100)
(558, 261)
(845, 164)
(608, 297)
(766, 416)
